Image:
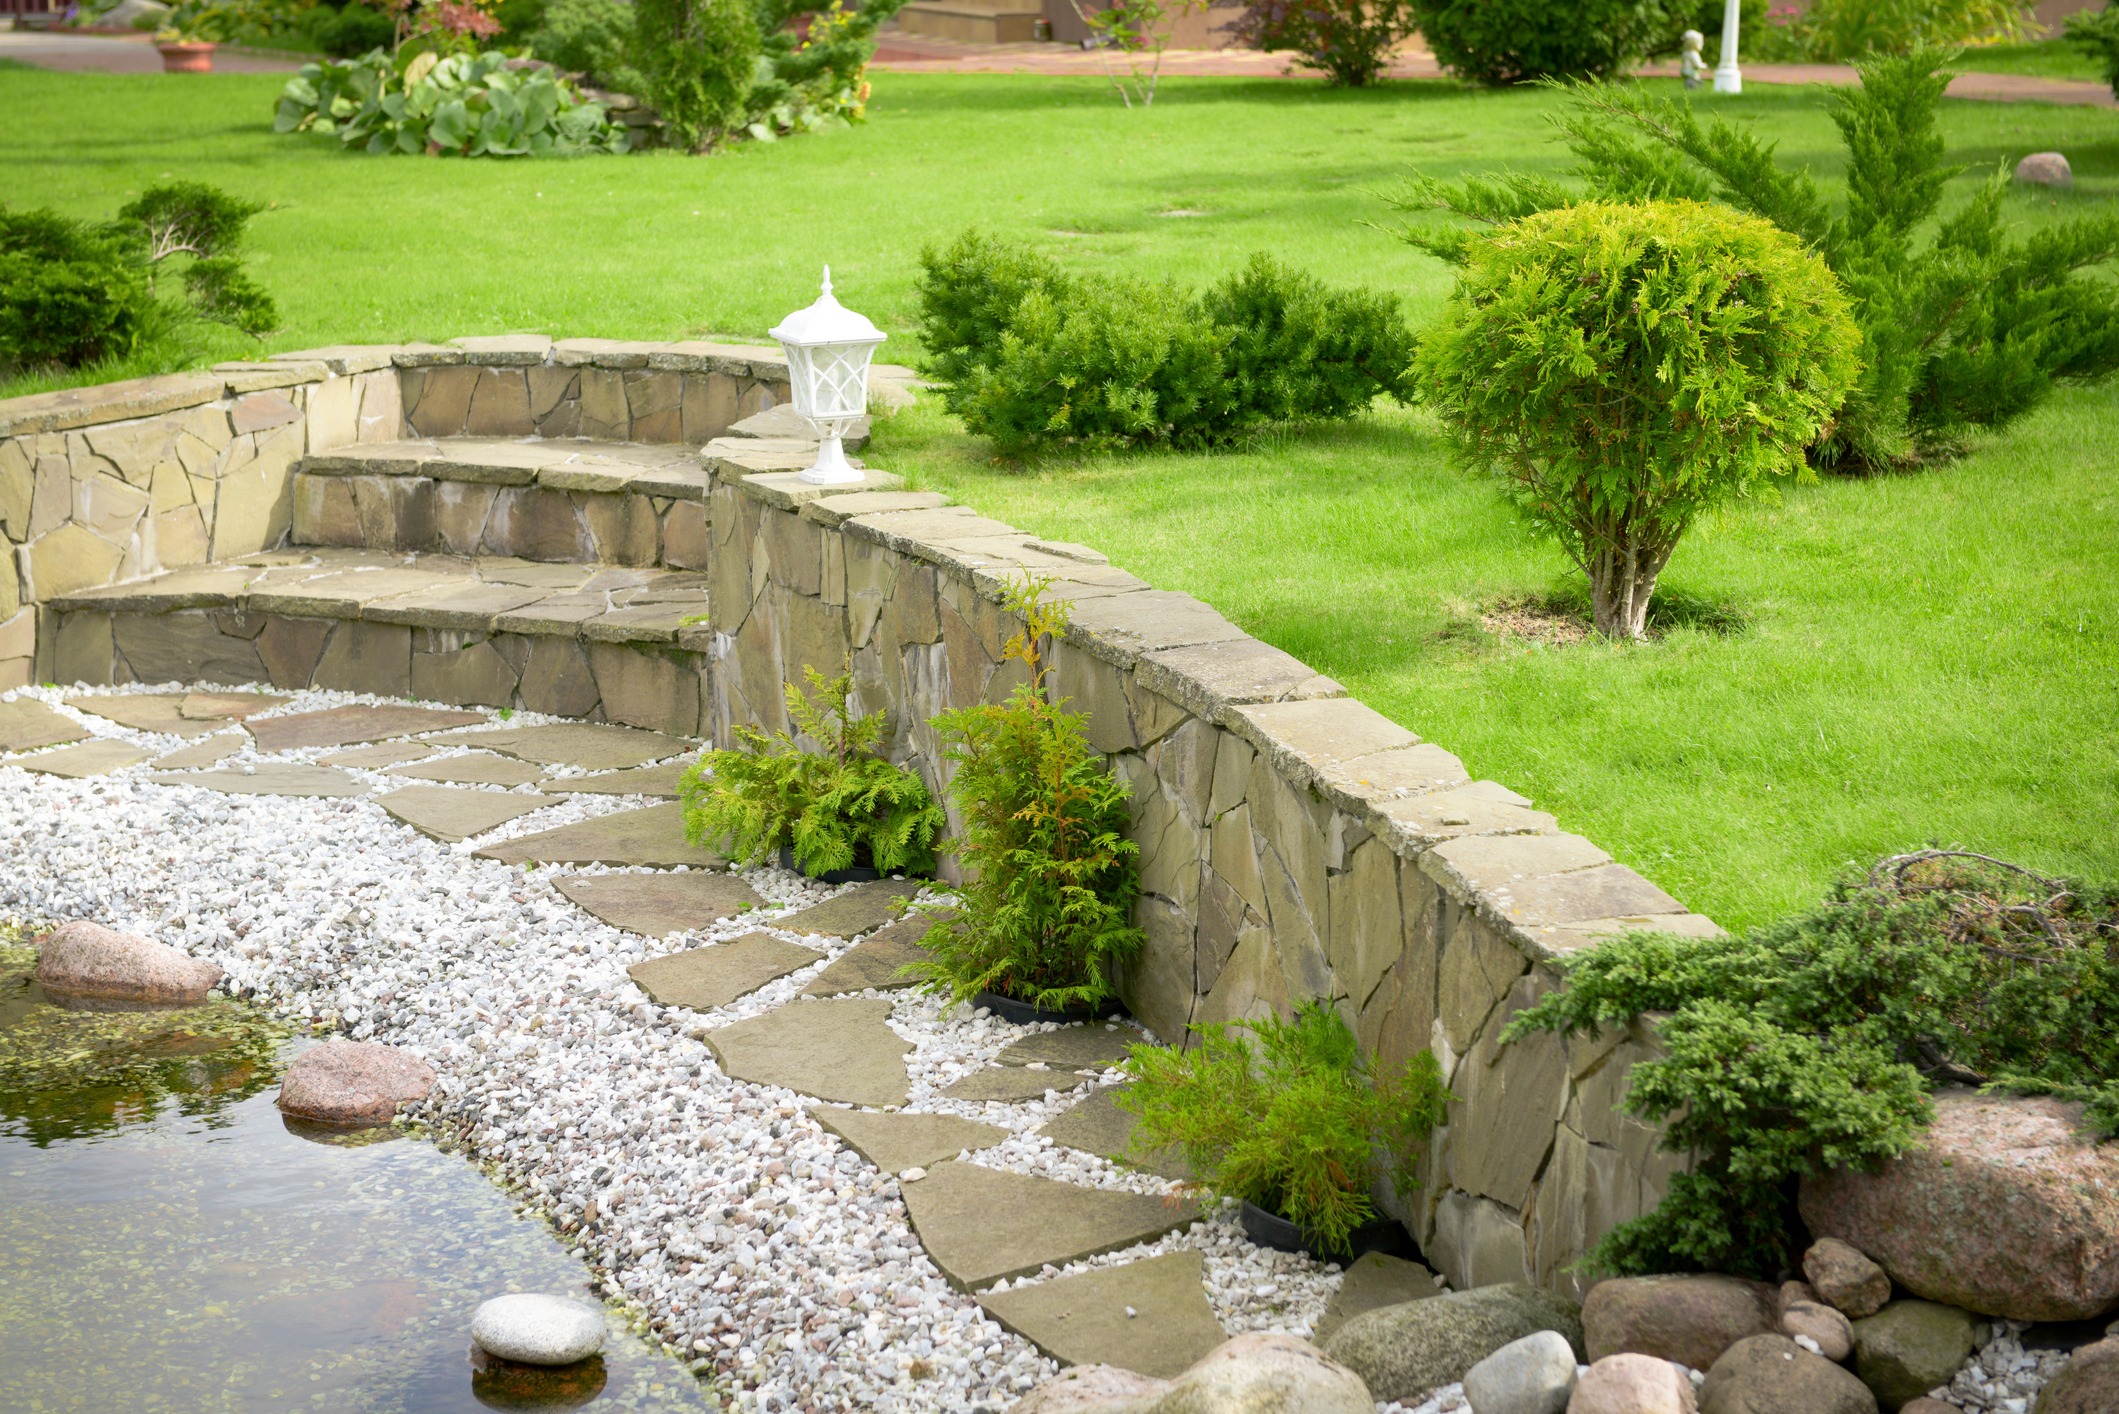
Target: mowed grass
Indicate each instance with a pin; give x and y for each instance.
(1930, 657)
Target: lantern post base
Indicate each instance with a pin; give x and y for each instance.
(832, 468)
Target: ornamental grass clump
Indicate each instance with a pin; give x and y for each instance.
(1814, 1043)
(1626, 368)
(1292, 1119)
(835, 808)
(1046, 908)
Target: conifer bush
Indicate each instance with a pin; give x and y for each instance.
(1625, 368)
(835, 807)
(1047, 902)
(1813, 1043)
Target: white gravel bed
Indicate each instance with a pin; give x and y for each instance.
(748, 1235)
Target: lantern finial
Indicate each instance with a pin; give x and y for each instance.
(827, 281)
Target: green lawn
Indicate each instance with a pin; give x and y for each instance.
(1930, 657)
(2043, 58)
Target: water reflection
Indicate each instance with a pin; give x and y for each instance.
(169, 1243)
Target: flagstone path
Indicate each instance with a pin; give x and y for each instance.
(1009, 1084)
(877, 963)
(451, 814)
(89, 758)
(473, 768)
(1375, 1279)
(657, 905)
(26, 724)
(639, 780)
(584, 744)
(652, 836)
(1041, 1221)
(837, 1050)
(1151, 1316)
(349, 726)
(710, 977)
(897, 1142)
(210, 752)
(273, 778)
(1098, 1126)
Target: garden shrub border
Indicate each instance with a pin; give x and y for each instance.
(1295, 843)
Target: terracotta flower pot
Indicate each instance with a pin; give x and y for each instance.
(187, 57)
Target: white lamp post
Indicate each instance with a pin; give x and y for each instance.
(1728, 78)
(828, 352)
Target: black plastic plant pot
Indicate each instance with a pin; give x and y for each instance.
(857, 874)
(1269, 1229)
(1023, 1014)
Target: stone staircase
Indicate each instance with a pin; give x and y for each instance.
(562, 575)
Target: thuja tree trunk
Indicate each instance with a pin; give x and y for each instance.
(1622, 572)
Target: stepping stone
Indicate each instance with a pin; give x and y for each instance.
(90, 758)
(1012, 1084)
(227, 706)
(651, 837)
(589, 745)
(375, 758)
(26, 724)
(146, 712)
(1098, 1126)
(1095, 1046)
(709, 977)
(477, 769)
(210, 752)
(980, 1224)
(1149, 1316)
(272, 778)
(349, 726)
(895, 1143)
(861, 909)
(875, 962)
(452, 815)
(830, 1050)
(641, 780)
(1375, 1280)
(657, 905)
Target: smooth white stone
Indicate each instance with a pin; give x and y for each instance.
(538, 1330)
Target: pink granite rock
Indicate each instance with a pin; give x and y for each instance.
(1845, 1279)
(2045, 169)
(1259, 1373)
(2006, 1208)
(353, 1082)
(1632, 1384)
(1689, 1319)
(84, 959)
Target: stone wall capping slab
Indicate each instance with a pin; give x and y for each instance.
(1483, 864)
(687, 481)
(207, 587)
(994, 575)
(404, 458)
(706, 356)
(1119, 628)
(787, 491)
(243, 378)
(1558, 941)
(1561, 900)
(1070, 550)
(781, 420)
(1367, 781)
(505, 350)
(737, 459)
(606, 479)
(833, 511)
(601, 353)
(451, 604)
(1412, 824)
(108, 402)
(426, 356)
(498, 461)
(648, 623)
(344, 359)
(1207, 679)
(1341, 747)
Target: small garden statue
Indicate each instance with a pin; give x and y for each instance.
(1691, 62)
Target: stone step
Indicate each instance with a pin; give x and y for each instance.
(594, 642)
(970, 22)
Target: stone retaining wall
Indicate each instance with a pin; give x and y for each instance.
(1295, 843)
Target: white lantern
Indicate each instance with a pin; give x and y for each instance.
(829, 348)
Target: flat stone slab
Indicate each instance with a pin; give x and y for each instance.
(897, 1142)
(349, 726)
(652, 837)
(452, 815)
(709, 977)
(210, 752)
(375, 758)
(657, 905)
(26, 724)
(1094, 1046)
(272, 778)
(227, 706)
(146, 712)
(981, 1225)
(861, 909)
(89, 758)
(1374, 1281)
(640, 780)
(830, 1050)
(875, 962)
(1012, 1084)
(479, 768)
(1098, 1126)
(588, 745)
(1149, 1316)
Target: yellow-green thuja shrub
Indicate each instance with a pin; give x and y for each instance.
(1625, 367)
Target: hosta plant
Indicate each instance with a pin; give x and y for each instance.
(836, 807)
(468, 105)
(1291, 1118)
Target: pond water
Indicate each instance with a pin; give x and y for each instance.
(169, 1243)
